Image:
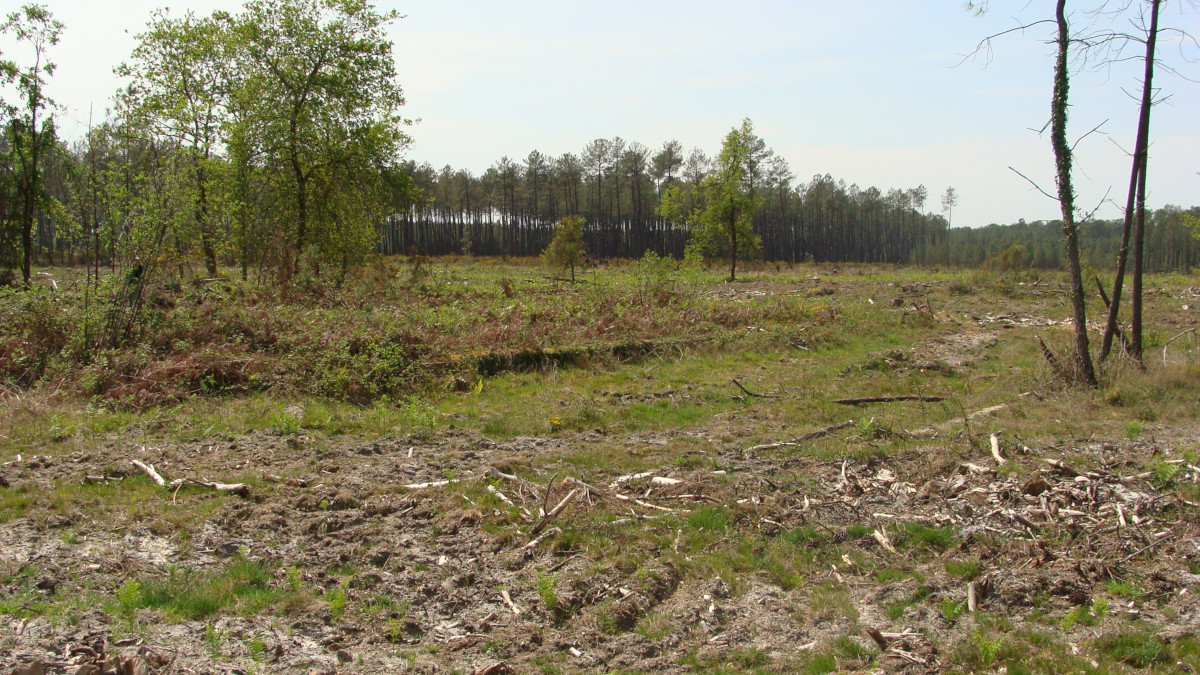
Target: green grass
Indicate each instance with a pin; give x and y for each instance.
(711, 518)
(936, 538)
(1140, 649)
(243, 585)
(967, 570)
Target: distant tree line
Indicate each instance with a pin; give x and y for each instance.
(270, 139)
(618, 187)
(1171, 244)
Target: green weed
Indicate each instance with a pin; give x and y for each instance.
(1086, 615)
(337, 600)
(1135, 648)
(189, 594)
(952, 609)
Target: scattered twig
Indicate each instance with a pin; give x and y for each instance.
(889, 399)
(149, 471)
(236, 488)
(800, 439)
(554, 512)
(542, 537)
(1165, 536)
(1190, 330)
(996, 451)
(431, 484)
(615, 495)
(750, 393)
(509, 601)
(907, 656)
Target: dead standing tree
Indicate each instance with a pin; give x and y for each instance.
(1085, 371)
(1137, 191)
(1066, 192)
(1103, 48)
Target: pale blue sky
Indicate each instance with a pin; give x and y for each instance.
(869, 91)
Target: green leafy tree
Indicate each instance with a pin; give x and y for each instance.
(319, 101)
(179, 96)
(726, 199)
(567, 249)
(30, 130)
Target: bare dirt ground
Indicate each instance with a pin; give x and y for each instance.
(408, 555)
(428, 549)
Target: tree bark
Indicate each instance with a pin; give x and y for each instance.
(1137, 181)
(1066, 194)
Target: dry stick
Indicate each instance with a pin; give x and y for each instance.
(889, 399)
(972, 602)
(542, 537)
(806, 437)
(825, 430)
(1062, 466)
(878, 638)
(750, 393)
(996, 451)
(509, 601)
(149, 471)
(236, 488)
(1190, 330)
(772, 446)
(503, 497)
(495, 669)
(883, 541)
(615, 495)
(436, 483)
(554, 512)
(1055, 366)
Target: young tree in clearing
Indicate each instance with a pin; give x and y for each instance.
(31, 129)
(727, 199)
(566, 249)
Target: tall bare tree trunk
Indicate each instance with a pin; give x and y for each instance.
(1066, 194)
(1137, 186)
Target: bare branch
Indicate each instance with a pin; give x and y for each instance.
(1035, 185)
(1094, 130)
(1103, 201)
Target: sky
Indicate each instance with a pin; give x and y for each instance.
(874, 92)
